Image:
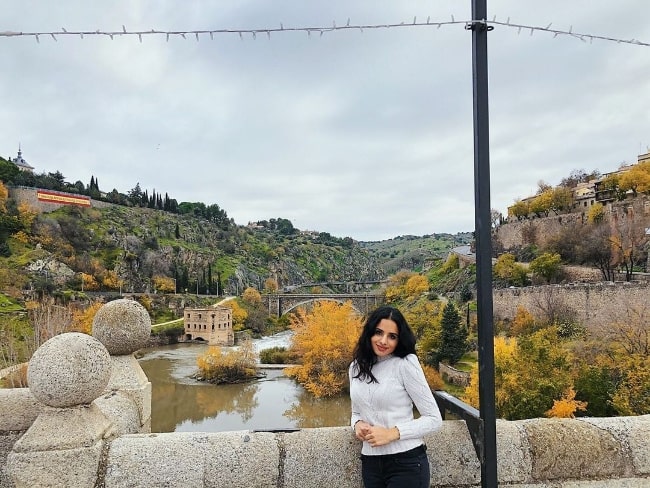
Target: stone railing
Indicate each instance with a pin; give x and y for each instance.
(84, 422)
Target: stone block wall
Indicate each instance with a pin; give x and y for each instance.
(537, 230)
(23, 194)
(596, 304)
(453, 375)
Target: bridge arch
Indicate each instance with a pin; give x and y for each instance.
(314, 300)
(279, 304)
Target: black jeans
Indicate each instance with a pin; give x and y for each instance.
(408, 469)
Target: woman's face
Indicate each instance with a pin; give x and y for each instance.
(385, 339)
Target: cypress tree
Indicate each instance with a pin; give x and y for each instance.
(454, 337)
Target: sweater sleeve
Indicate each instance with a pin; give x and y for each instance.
(416, 386)
(356, 415)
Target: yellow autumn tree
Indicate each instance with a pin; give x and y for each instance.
(82, 320)
(164, 284)
(452, 263)
(529, 372)
(505, 352)
(324, 339)
(523, 322)
(112, 281)
(632, 396)
(252, 296)
(416, 285)
(596, 213)
(239, 314)
(636, 179)
(26, 215)
(270, 285)
(4, 196)
(424, 319)
(434, 380)
(89, 282)
(567, 406)
(396, 288)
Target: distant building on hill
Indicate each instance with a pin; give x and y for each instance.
(211, 324)
(589, 193)
(21, 163)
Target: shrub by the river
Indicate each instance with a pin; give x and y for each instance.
(278, 355)
(232, 366)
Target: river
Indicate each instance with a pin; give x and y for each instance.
(180, 403)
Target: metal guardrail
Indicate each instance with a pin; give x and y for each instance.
(471, 416)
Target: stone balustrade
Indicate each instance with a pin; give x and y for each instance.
(84, 422)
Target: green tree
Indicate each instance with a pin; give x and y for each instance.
(530, 373)
(561, 199)
(548, 266)
(632, 396)
(8, 171)
(510, 272)
(595, 385)
(453, 337)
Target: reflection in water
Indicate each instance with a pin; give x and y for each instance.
(182, 404)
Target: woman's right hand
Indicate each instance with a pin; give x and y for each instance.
(361, 429)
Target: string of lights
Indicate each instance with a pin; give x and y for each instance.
(319, 30)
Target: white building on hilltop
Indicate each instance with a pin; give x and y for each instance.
(21, 163)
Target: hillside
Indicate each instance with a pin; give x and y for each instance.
(139, 244)
(414, 252)
(132, 249)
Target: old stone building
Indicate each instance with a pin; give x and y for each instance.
(211, 324)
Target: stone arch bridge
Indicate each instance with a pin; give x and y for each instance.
(279, 304)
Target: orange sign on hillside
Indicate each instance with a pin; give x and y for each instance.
(62, 198)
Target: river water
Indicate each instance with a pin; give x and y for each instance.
(180, 403)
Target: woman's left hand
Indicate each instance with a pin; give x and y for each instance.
(380, 436)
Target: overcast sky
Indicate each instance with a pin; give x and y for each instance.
(366, 134)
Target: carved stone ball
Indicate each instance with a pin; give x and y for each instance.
(123, 326)
(69, 369)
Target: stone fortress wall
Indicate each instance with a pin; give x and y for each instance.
(84, 421)
(28, 195)
(595, 304)
(538, 230)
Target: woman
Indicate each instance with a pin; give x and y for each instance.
(386, 380)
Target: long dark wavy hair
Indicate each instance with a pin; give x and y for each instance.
(364, 355)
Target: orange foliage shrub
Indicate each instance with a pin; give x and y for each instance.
(522, 323)
(567, 406)
(82, 320)
(434, 380)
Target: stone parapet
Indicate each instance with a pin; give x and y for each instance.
(557, 453)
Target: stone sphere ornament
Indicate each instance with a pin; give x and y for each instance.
(123, 326)
(69, 369)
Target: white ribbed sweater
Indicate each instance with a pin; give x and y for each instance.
(389, 403)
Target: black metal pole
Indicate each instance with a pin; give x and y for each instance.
(483, 242)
